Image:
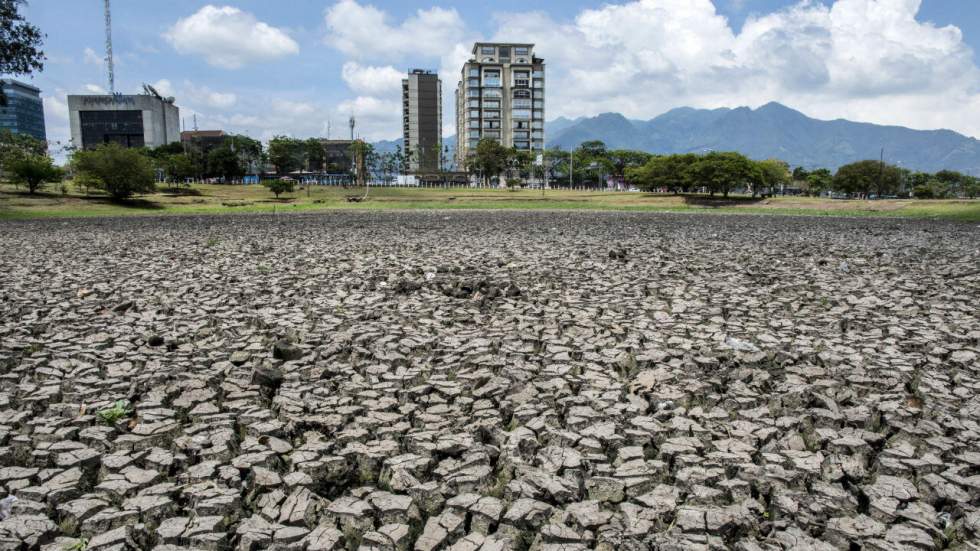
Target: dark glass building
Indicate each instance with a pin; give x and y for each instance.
(24, 112)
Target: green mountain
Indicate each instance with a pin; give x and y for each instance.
(775, 131)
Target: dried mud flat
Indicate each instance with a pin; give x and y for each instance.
(489, 381)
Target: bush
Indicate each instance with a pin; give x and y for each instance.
(33, 171)
(280, 186)
(118, 171)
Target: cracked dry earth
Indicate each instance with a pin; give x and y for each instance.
(489, 381)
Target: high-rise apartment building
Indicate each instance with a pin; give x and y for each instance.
(24, 112)
(422, 120)
(500, 96)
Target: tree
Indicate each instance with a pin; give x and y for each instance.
(671, 172)
(364, 160)
(800, 174)
(285, 153)
(280, 186)
(316, 155)
(819, 181)
(623, 159)
(490, 159)
(20, 44)
(775, 173)
(866, 177)
(224, 162)
(34, 171)
(724, 171)
(14, 146)
(118, 171)
(520, 162)
(177, 167)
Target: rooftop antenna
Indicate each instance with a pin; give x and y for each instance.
(195, 122)
(108, 49)
(353, 123)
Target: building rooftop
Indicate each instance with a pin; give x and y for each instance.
(477, 45)
(17, 83)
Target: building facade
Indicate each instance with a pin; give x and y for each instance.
(24, 112)
(422, 120)
(142, 120)
(500, 96)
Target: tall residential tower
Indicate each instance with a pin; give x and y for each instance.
(500, 96)
(422, 120)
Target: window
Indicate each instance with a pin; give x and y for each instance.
(522, 93)
(491, 104)
(537, 135)
(521, 74)
(491, 114)
(539, 115)
(520, 135)
(491, 93)
(487, 50)
(475, 103)
(473, 82)
(504, 51)
(539, 104)
(491, 124)
(537, 125)
(491, 78)
(474, 134)
(539, 84)
(474, 124)
(473, 93)
(474, 113)
(522, 113)
(522, 145)
(521, 104)
(538, 74)
(521, 125)
(474, 72)
(487, 60)
(495, 134)
(521, 51)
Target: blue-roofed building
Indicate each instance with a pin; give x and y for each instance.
(24, 112)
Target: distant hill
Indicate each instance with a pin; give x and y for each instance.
(774, 131)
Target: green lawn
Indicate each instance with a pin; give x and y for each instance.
(223, 199)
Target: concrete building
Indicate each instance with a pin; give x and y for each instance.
(337, 157)
(130, 120)
(24, 112)
(500, 96)
(422, 119)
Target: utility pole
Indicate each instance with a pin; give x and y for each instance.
(108, 49)
(571, 168)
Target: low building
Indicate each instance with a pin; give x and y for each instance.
(24, 112)
(204, 140)
(140, 120)
(338, 159)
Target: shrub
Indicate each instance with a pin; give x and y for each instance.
(280, 186)
(117, 411)
(118, 171)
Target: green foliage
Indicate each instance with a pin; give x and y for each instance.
(723, 171)
(490, 159)
(225, 163)
(819, 181)
(14, 146)
(285, 153)
(867, 177)
(118, 410)
(34, 171)
(800, 174)
(280, 186)
(20, 44)
(80, 545)
(669, 172)
(775, 173)
(118, 171)
(933, 188)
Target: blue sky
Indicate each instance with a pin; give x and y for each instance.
(291, 66)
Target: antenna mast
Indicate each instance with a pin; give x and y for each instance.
(108, 49)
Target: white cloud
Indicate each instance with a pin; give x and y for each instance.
(863, 59)
(295, 108)
(229, 38)
(165, 87)
(372, 80)
(95, 89)
(363, 31)
(92, 58)
(55, 107)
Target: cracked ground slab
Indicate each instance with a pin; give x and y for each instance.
(489, 381)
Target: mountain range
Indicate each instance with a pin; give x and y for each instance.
(771, 131)
(774, 131)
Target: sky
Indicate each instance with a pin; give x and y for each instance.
(302, 67)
